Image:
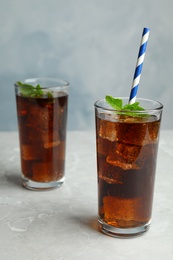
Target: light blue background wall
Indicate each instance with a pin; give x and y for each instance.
(91, 43)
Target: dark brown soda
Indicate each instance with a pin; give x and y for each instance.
(126, 162)
(42, 134)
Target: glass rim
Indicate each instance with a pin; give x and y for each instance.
(110, 109)
(58, 82)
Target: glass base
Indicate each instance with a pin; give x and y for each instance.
(122, 232)
(41, 186)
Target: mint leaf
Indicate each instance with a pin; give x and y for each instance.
(116, 103)
(28, 90)
(134, 106)
(49, 94)
(25, 89)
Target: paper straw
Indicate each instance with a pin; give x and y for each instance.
(139, 65)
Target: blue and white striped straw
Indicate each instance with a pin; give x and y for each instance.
(139, 64)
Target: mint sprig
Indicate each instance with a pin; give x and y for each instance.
(28, 90)
(117, 104)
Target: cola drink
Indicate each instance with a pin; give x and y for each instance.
(126, 161)
(42, 134)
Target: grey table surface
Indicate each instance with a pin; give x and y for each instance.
(62, 224)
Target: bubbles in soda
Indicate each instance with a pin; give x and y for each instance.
(126, 160)
(42, 132)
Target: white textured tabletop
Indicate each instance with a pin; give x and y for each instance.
(62, 224)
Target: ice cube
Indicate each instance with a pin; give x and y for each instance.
(132, 133)
(51, 144)
(50, 139)
(127, 156)
(138, 131)
(153, 132)
(111, 174)
(29, 152)
(124, 212)
(38, 118)
(107, 130)
(103, 146)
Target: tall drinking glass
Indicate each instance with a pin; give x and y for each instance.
(42, 118)
(127, 145)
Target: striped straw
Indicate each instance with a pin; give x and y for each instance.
(139, 64)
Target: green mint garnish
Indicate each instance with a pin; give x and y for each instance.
(134, 106)
(117, 104)
(28, 90)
